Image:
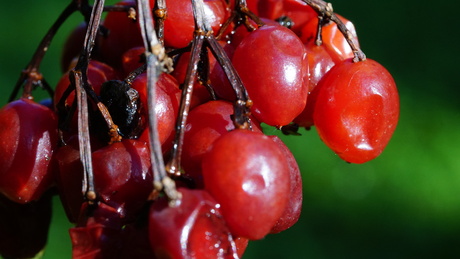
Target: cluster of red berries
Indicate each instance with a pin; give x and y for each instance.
(283, 63)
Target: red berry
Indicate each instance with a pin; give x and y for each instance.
(73, 46)
(132, 59)
(166, 105)
(299, 12)
(28, 138)
(69, 175)
(272, 64)
(247, 173)
(179, 25)
(217, 77)
(357, 109)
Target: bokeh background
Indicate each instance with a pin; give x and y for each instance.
(404, 204)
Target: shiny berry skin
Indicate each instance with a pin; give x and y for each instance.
(194, 228)
(28, 138)
(166, 105)
(357, 109)
(247, 173)
(272, 63)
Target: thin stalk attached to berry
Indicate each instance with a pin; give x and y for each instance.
(173, 166)
(242, 8)
(326, 14)
(79, 79)
(243, 103)
(156, 63)
(31, 75)
(202, 29)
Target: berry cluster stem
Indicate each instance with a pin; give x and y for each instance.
(326, 13)
(31, 75)
(78, 78)
(156, 61)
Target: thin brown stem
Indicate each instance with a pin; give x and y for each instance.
(325, 11)
(84, 139)
(79, 79)
(243, 103)
(156, 58)
(202, 27)
(244, 11)
(31, 76)
(173, 165)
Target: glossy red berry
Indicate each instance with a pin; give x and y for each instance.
(72, 46)
(254, 173)
(357, 109)
(166, 105)
(179, 26)
(28, 138)
(132, 59)
(296, 10)
(272, 64)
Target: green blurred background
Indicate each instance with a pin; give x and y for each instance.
(404, 204)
